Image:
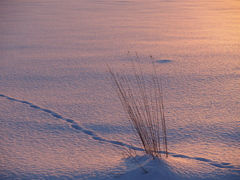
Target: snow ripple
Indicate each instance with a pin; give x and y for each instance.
(96, 136)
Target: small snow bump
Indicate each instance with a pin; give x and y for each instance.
(163, 61)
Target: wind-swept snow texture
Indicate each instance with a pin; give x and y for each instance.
(61, 119)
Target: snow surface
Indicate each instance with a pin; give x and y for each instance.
(60, 118)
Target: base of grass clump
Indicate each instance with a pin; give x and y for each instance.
(140, 93)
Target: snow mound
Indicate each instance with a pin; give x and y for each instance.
(175, 168)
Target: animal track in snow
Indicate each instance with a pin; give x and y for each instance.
(74, 125)
(213, 163)
(95, 136)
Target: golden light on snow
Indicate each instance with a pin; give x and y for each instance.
(60, 117)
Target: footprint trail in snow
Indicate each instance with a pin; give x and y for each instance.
(95, 136)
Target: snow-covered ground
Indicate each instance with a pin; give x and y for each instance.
(61, 119)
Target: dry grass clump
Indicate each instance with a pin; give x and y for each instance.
(142, 99)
